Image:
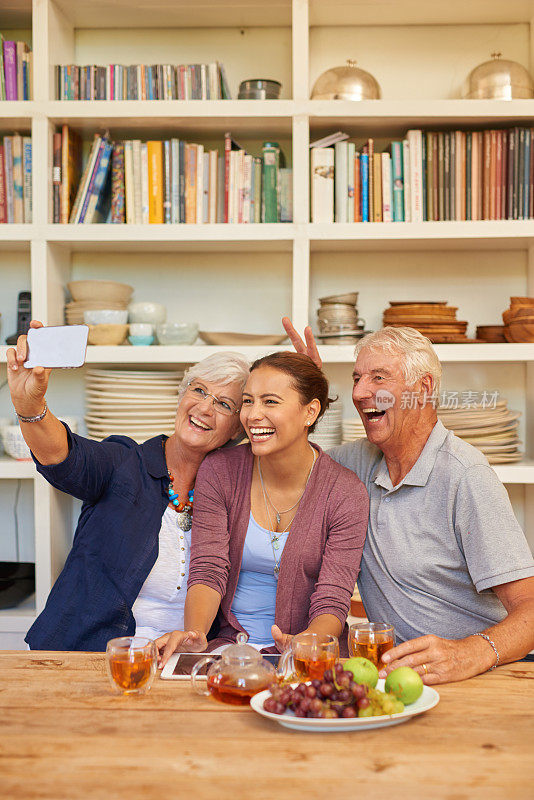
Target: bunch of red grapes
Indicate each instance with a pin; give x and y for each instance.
(336, 695)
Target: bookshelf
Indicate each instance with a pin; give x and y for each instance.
(244, 277)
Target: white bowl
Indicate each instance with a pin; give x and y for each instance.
(154, 313)
(105, 316)
(14, 443)
(141, 329)
(177, 332)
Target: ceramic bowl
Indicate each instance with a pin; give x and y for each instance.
(105, 316)
(100, 290)
(14, 443)
(177, 332)
(141, 340)
(154, 313)
(107, 334)
(141, 329)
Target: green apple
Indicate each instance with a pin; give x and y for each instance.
(405, 683)
(363, 670)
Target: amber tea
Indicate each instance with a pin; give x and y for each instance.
(131, 662)
(371, 640)
(225, 691)
(309, 669)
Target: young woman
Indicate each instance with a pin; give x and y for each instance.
(279, 527)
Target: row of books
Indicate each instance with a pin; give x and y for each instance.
(16, 179)
(16, 64)
(429, 175)
(170, 181)
(142, 82)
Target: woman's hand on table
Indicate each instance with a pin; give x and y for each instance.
(281, 640)
(440, 660)
(27, 386)
(180, 642)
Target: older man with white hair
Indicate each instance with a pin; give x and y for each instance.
(445, 560)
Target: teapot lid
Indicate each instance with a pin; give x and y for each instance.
(241, 654)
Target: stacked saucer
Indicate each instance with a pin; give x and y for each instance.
(435, 320)
(492, 430)
(328, 431)
(338, 319)
(135, 403)
(352, 429)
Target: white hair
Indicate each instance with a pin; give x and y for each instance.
(418, 356)
(224, 368)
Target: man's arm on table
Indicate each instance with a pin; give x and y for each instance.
(498, 558)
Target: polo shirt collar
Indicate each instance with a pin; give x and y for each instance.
(421, 470)
(154, 457)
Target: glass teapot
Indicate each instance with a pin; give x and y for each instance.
(238, 674)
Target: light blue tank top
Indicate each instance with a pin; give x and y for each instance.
(255, 595)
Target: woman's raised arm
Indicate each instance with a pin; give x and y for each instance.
(46, 437)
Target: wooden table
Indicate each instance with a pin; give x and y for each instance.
(64, 734)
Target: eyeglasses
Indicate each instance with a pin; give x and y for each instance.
(226, 407)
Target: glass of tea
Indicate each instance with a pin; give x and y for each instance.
(309, 656)
(132, 662)
(371, 640)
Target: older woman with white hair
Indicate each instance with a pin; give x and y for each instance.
(127, 570)
(445, 561)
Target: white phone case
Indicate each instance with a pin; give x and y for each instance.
(61, 346)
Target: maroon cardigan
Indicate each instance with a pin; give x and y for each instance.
(321, 558)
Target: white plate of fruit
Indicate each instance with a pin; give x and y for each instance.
(339, 703)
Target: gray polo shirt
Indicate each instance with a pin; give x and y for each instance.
(438, 540)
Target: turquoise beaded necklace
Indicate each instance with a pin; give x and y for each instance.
(184, 510)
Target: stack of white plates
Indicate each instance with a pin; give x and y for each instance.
(493, 430)
(328, 430)
(135, 403)
(352, 429)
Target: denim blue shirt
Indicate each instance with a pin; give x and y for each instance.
(122, 485)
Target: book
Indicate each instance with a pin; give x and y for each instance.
(429, 169)
(175, 181)
(370, 174)
(387, 196)
(340, 181)
(99, 184)
(136, 162)
(206, 187)
(200, 183)
(364, 175)
(90, 185)
(56, 178)
(190, 183)
(167, 170)
(155, 182)
(10, 69)
(27, 178)
(286, 194)
(3, 206)
(145, 211)
(271, 161)
(8, 168)
(212, 190)
(322, 184)
(377, 187)
(71, 155)
(398, 181)
(351, 150)
(118, 198)
(18, 181)
(258, 189)
(2, 72)
(416, 174)
(357, 189)
(129, 182)
(332, 138)
(407, 183)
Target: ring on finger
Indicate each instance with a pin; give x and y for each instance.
(425, 669)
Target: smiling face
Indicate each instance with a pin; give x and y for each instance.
(273, 414)
(390, 409)
(198, 425)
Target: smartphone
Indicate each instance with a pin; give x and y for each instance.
(60, 346)
(179, 665)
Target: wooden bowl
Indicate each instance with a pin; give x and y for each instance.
(491, 333)
(107, 334)
(522, 331)
(522, 301)
(100, 290)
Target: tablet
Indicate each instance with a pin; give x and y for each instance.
(179, 665)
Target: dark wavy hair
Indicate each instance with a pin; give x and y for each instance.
(306, 378)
